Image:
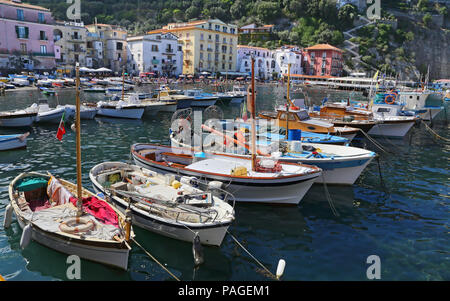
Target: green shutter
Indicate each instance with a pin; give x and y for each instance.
(26, 32)
(17, 31)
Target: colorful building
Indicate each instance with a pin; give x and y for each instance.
(70, 44)
(26, 36)
(156, 52)
(324, 60)
(208, 45)
(114, 43)
(264, 61)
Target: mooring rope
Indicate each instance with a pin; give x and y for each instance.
(433, 132)
(239, 244)
(154, 259)
(373, 141)
(328, 196)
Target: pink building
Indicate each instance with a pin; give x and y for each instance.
(26, 36)
(323, 60)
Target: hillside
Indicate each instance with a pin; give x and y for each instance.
(387, 45)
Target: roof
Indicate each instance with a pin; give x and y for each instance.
(323, 47)
(309, 76)
(24, 5)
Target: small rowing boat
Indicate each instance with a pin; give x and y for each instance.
(162, 204)
(10, 142)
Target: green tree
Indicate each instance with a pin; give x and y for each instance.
(427, 19)
(267, 11)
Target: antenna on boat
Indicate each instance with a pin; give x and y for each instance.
(78, 139)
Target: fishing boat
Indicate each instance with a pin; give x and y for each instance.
(426, 103)
(86, 112)
(232, 97)
(52, 222)
(341, 165)
(68, 218)
(10, 142)
(19, 118)
(272, 183)
(301, 120)
(47, 114)
(162, 204)
(95, 90)
(201, 99)
(47, 91)
(165, 94)
(120, 109)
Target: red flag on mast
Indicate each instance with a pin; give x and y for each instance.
(61, 129)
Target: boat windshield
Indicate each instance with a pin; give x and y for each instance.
(303, 115)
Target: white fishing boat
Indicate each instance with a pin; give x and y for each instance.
(19, 118)
(45, 211)
(391, 123)
(47, 114)
(120, 109)
(86, 112)
(427, 104)
(10, 142)
(163, 205)
(239, 93)
(201, 99)
(271, 182)
(165, 94)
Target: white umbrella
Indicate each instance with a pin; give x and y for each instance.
(85, 69)
(103, 70)
(205, 73)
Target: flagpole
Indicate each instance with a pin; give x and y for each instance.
(78, 139)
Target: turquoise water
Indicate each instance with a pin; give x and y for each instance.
(404, 221)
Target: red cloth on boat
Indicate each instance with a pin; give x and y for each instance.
(38, 205)
(100, 209)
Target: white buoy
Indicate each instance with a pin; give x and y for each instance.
(280, 268)
(26, 236)
(8, 216)
(73, 127)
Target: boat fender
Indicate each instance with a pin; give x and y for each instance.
(192, 181)
(82, 225)
(26, 236)
(8, 216)
(280, 268)
(215, 185)
(197, 250)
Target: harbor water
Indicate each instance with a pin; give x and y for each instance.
(398, 209)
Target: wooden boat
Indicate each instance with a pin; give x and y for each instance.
(278, 184)
(51, 221)
(342, 114)
(19, 118)
(120, 109)
(299, 119)
(163, 205)
(10, 142)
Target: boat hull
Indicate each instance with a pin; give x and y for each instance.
(129, 113)
(212, 235)
(25, 121)
(203, 102)
(392, 129)
(278, 191)
(53, 116)
(12, 142)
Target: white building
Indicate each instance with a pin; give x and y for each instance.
(264, 61)
(288, 55)
(156, 52)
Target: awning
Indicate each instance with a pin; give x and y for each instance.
(103, 70)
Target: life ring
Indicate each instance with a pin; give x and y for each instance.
(294, 108)
(392, 95)
(76, 225)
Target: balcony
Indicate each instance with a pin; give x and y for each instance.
(169, 50)
(48, 54)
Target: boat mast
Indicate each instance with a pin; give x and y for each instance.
(288, 100)
(253, 112)
(123, 82)
(78, 139)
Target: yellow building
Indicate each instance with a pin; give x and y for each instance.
(114, 42)
(208, 45)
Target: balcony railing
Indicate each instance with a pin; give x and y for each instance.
(49, 54)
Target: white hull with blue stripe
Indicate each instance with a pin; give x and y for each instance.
(9, 142)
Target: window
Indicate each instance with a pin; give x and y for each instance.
(324, 55)
(229, 66)
(224, 29)
(23, 47)
(43, 49)
(41, 18)
(179, 48)
(42, 36)
(217, 27)
(217, 38)
(201, 55)
(22, 32)
(224, 40)
(119, 46)
(20, 15)
(201, 36)
(201, 46)
(223, 66)
(154, 48)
